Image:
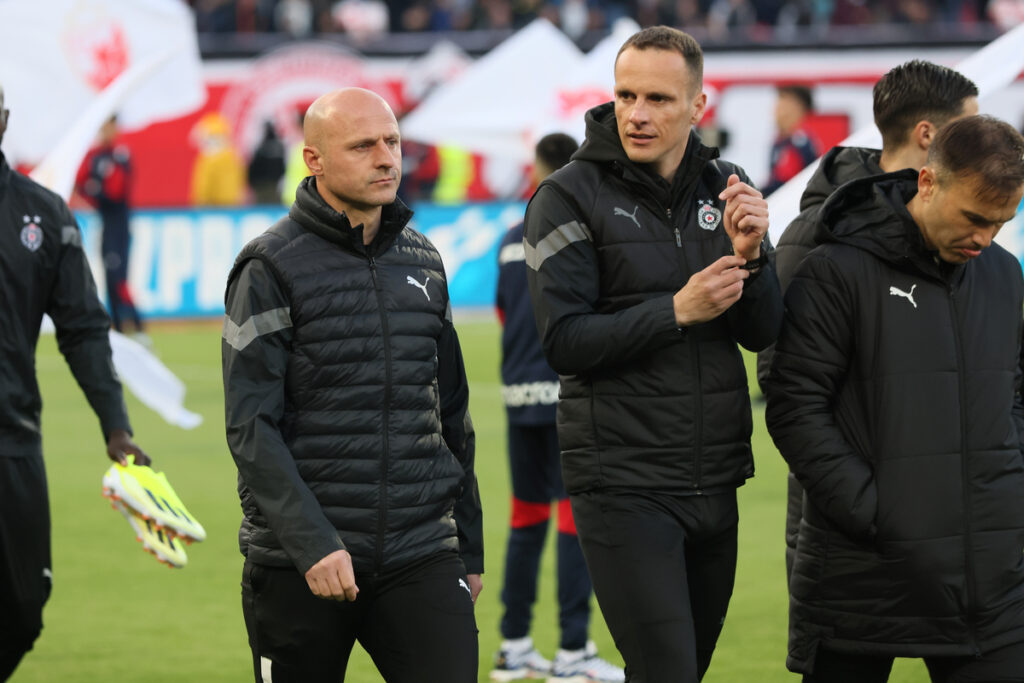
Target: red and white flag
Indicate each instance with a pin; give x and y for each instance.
(59, 57)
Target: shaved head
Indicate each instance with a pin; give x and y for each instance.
(353, 150)
(339, 107)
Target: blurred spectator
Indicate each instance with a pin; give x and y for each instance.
(420, 167)
(294, 17)
(295, 164)
(302, 18)
(218, 176)
(104, 180)
(795, 147)
(575, 17)
(361, 19)
(215, 16)
(266, 168)
(1006, 14)
(727, 15)
(910, 11)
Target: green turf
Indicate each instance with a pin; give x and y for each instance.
(118, 615)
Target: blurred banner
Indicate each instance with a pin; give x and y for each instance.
(180, 259)
(57, 57)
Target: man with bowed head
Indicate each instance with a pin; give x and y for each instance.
(346, 408)
(894, 395)
(648, 264)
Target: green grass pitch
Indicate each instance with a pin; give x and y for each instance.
(118, 615)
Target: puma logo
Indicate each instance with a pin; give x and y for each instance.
(630, 216)
(909, 296)
(412, 281)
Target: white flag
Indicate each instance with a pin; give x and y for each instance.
(57, 56)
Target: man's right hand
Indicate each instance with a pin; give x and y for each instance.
(332, 577)
(710, 292)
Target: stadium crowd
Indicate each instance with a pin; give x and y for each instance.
(777, 18)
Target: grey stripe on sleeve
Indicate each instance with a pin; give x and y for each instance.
(557, 240)
(240, 336)
(69, 235)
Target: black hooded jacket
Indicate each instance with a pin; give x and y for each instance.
(346, 400)
(642, 403)
(840, 165)
(894, 398)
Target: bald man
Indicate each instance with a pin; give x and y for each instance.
(43, 269)
(346, 407)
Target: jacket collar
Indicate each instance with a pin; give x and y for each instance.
(316, 215)
(602, 146)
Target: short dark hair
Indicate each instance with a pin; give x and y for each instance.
(801, 93)
(555, 149)
(915, 91)
(980, 146)
(668, 38)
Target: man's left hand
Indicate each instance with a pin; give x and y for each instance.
(120, 444)
(476, 584)
(745, 217)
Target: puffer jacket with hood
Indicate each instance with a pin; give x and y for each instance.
(894, 398)
(643, 403)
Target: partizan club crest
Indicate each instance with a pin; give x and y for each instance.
(32, 234)
(707, 215)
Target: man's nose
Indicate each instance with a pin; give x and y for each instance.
(384, 156)
(639, 114)
(983, 237)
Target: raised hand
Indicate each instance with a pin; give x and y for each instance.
(745, 217)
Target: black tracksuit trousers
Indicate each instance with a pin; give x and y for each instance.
(25, 577)
(663, 568)
(416, 622)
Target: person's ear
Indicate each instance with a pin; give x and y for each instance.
(923, 134)
(314, 160)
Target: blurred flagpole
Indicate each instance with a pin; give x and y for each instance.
(992, 68)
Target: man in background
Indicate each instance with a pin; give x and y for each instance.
(894, 395)
(43, 269)
(530, 393)
(266, 168)
(795, 146)
(105, 180)
(911, 102)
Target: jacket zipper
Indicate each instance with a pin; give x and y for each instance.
(964, 474)
(386, 336)
(695, 355)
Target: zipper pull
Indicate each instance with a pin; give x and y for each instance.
(679, 239)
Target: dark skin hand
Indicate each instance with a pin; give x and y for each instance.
(120, 445)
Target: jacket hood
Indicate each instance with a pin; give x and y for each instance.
(871, 214)
(316, 215)
(839, 166)
(602, 146)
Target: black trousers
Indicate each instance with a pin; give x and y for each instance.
(663, 568)
(25, 577)
(1005, 665)
(416, 623)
